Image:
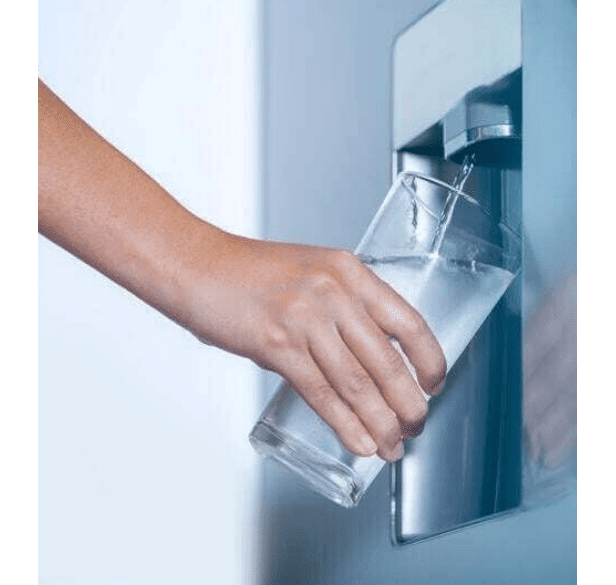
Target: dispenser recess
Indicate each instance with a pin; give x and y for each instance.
(460, 90)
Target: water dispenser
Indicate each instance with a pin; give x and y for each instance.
(457, 95)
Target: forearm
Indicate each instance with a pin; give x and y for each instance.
(97, 204)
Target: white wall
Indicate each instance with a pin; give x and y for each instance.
(145, 471)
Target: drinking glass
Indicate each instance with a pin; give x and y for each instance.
(448, 257)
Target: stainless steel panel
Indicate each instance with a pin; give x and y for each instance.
(466, 465)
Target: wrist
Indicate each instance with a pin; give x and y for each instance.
(194, 260)
(217, 294)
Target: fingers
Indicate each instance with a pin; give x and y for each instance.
(314, 388)
(400, 320)
(387, 368)
(343, 363)
(356, 387)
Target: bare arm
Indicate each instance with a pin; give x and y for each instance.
(98, 205)
(315, 315)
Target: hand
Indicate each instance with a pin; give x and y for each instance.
(550, 385)
(316, 316)
(323, 321)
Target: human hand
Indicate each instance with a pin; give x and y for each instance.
(323, 321)
(550, 385)
(314, 315)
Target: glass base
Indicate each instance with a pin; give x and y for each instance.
(315, 469)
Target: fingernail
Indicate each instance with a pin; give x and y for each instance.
(369, 447)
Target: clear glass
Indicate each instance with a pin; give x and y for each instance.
(447, 257)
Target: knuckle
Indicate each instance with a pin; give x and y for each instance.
(359, 384)
(394, 363)
(322, 398)
(296, 305)
(345, 260)
(275, 338)
(389, 428)
(322, 283)
(351, 267)
(416, 326)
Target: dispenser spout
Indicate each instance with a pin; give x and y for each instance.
(487, 125)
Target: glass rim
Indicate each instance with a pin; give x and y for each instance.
(501, 224)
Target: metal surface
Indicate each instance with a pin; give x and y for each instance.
(487, 122)
(465, 465)
(473, 138)
(328, 199)
(502, 436)
(459, 46)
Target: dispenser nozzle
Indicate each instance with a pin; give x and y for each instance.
(488, 129)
